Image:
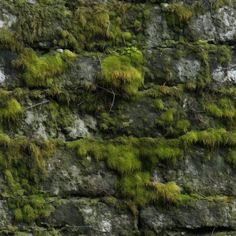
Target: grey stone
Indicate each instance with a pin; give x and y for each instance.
(225, 74)
(66, 176)
(92, 217)
(187, 69)
(195, 214)
(196, 174)
(218, 26)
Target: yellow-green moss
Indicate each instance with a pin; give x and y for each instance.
(177, 16)
(8, 40)
(39, 71)
(231, 157)
(224, 107)
(210, 137)
(168, 193)
(11, 110)
(123, 72)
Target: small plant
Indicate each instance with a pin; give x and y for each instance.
(135, 187)
(39, 71)
(231, 157)
(122, 159)
(11, 110)
(168, 193)
(225, 108)
(177, 16)
(159, 104)
(167, 117)
(123, 72)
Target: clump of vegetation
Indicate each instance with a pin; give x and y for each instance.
(10, 108)
(123, 159)
(31, 26)
(159, 104)
(177, 16)
(125, 154)
(158, 91)
(39, 71)
(28, 209)
(167, 117)
(141, 190)
(8, 40)
(23, 162)
(135, 187)
(168, 193)
(225, 108)
(132, 159)
(123, 72)
(95, 25)
(231, 157)
(210, 137)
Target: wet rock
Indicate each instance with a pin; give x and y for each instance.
(68, 176)
(224, 20)
(225, 74)
(187, 69)
(195, 214)
(92, 217)
(218, 26)
(2, 76)
(83, 72)
(203, 28)
(157, 29)
(6, 19)
(195, 174)
(5, 218)
(80, 127)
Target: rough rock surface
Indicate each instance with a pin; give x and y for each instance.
(117, 117)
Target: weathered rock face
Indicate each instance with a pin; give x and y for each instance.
(194, 215)
(117, 117)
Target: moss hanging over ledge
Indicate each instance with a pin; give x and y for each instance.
(40, 71)
(123, 72)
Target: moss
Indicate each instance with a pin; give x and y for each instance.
(122, 159)
(29, 214)
(220, 3)
(210, 137)
(11, 110)
(224, 54)
(183, 125)
(8, 40)
(99, 25)
(157, 91)
(123, 72)
(124, 154)
(23, 164)
(177, 16)
(167, 117)
(27, 209)
(31, 26)
(141, 190)
(158, 104)
(18, 214)
(60, 116)
(39, 71)
(168, 193)
(224, 107)
(135, 187)
(231, 157)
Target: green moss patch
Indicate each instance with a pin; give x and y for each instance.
(39, 71)
(123, 72)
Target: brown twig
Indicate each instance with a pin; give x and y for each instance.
(38, 104)
(111, 92)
